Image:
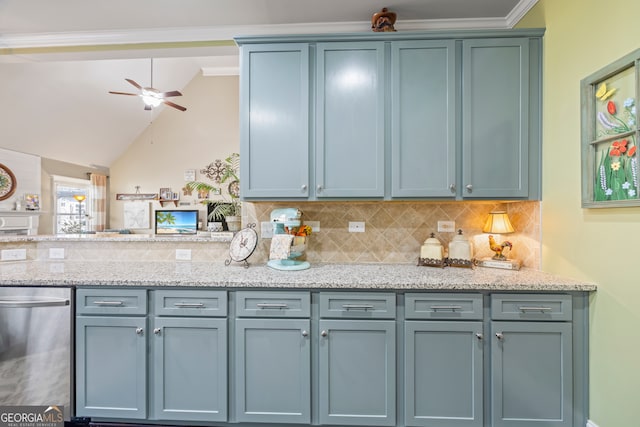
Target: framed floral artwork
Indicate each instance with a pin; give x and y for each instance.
(610, 135)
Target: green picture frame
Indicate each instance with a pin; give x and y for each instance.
(609, 135)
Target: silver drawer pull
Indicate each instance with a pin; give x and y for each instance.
(531, 308)
(271, 305)
(189, 304)
(357, 306)
(446, 307)
(109, 303)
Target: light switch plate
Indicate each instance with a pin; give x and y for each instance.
(13, 254)
(356, 226)
(315, 226)
(266, 230)
(446, 226)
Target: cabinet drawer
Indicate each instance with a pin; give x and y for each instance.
(531, 307)
(111, 301)
(273, 304)
(357, 305)
(190, 303)
(443, 306)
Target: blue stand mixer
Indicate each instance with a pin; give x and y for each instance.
(285, 245)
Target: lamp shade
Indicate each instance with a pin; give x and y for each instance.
(80, 197)
(498, 223)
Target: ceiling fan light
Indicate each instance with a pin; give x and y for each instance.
(151, 101)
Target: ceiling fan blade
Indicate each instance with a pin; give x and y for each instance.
(170, 93)
(123, 93)
(176, 106)
(134, 84)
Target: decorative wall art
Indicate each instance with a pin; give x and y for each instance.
(136, 215)
(610, 135)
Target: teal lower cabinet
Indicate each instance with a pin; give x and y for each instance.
(272, 357)
(273, 370)
(443, 360)
(189, 381)
(532, 361)
(111, 367)
(111, 353)
(443, 374)
(357, 359)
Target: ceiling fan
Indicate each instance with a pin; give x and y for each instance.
(151, 96)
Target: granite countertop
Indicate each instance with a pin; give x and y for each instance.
(201, 237)
(319, 276)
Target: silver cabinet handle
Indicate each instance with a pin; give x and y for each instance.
(452, 187)
(499, 335)
(139, 331)
(268, 305)
(109, 303)
(357, 306)
(446, 307)
(157, 331)
(305, 333)
(304, 187)
(324, 333)
(469, 188)
(189, 304)
(319, 188)
(479, 336)
(532, 308)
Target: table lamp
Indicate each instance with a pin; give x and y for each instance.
(498, 223)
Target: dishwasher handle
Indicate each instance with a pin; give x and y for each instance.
(32, 302)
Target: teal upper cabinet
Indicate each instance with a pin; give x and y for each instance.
(350, 118)
(495, 118)
(382, 116)
(274, 121)
(423, 88)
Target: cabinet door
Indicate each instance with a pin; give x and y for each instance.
(531, 380)
(495, 117)
(443, 374)
(350, 120)
(358, 372)
(111, 367)
(423, 121)
(273, 370)
(274, 120)
(189, 369)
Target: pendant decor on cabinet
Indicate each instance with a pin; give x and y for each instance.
(383, 21)
(243, 245)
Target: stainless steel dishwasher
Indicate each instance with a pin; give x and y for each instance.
(35, 346)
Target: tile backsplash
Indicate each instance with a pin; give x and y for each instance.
(394, 231)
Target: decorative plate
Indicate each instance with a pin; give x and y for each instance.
(242, 245)
(7, 182)
(234, 189)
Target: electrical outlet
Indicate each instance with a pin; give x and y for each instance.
(356, 226)
(13, 254)
(266, 230)
(183, 254)
(56, 253)
(446, 226)
(315, 226)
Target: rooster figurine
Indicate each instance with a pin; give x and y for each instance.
(498, 248)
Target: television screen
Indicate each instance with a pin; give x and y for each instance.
(177, 222)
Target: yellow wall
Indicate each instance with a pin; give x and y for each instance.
(600, 245)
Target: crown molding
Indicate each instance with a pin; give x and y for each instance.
(225, 33)
(518, 12)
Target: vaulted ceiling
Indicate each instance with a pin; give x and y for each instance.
(59, 59)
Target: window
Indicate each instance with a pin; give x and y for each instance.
(610, 135)
(72, 202)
